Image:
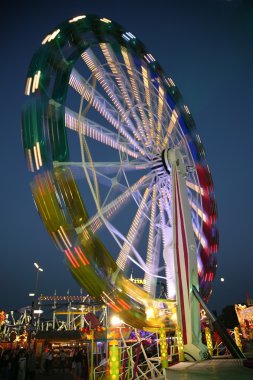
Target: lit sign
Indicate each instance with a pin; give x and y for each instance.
(139, 281)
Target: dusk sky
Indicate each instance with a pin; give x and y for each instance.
(206, 47)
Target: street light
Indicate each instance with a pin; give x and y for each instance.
(39, 269)
(34, 311)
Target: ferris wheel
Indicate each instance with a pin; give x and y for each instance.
(102, 127)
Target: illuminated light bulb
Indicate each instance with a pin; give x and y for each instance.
(115, 321)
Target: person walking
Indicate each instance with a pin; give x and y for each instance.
(22, 366)
(63, 359)
(31, 366)
(77, 359)
(48, 363)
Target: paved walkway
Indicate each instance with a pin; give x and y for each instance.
(215, 369)
(57, 376)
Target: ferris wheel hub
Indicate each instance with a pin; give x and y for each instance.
(161, 165)
(166, 161)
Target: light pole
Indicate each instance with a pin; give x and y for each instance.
(34, 303)
(31, 326)
(39, 269)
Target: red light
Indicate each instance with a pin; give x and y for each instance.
(71, 258)
(124, 304)
(114, 307)
(81, 255)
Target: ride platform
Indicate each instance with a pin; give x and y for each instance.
(214, 369)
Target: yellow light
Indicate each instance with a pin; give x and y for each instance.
(209, 340)
(36, 157)
(180, 345)
(45, 39)
(39, 154)
(28, 86)
(238, 338)
(53, 35)
(150, 313)
(50, 37)
(105, 20)
(77, 18)
(37, 79)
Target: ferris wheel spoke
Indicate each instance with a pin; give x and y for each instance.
(195, 187)
(111, 90)
(123, 84)
(97, 132)
(167, 244)
(162, 219)
(138, 260)
(200, 236)
(78, 83)
(146, 82)
(150, 262)
(159, 137)
(101, 171)
(165, 199)
(163, 233)
(78, 171)
(132, 72)
(110, 210)
(171, 126)
(199, 211)
(105, 108)
(124, 252)
(104, 168)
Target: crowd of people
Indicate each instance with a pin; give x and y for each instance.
(17, 364)
(21, 364)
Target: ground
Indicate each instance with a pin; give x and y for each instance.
(215, 369)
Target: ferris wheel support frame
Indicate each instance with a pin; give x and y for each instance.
(185, 263)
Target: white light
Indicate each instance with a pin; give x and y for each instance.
(130, 34)
(31, 294)
(77, 18)
(38, 267)
(125, 37)
(115, 321)
(105, 20)
(38, 311)
(222, 279)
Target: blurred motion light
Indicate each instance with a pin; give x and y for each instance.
(150, 313)
(116, 321)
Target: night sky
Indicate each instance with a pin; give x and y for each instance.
(206, 46)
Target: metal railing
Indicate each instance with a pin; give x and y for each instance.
(139, 360)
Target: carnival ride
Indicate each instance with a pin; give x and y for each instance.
(119, 167)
